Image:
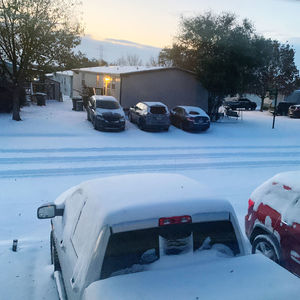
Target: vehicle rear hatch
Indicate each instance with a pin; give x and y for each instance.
(158, 114)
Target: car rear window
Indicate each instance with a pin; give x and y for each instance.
(129, 252)
(158, 110)
(192, 112)
(107, 104)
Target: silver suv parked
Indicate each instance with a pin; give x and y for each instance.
(150, 115)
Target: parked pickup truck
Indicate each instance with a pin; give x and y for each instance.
(155, 236)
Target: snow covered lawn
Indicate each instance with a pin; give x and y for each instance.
(54, 148)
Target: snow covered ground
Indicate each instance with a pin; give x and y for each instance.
(54, 148)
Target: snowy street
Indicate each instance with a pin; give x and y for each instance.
(54, 148)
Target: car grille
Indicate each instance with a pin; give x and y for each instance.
(111, 117)
(201, 120)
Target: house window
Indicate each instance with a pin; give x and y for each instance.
(113, 86)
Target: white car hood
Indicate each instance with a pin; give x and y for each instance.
(244, 277)
(119, 111)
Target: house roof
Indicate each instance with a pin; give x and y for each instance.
(123, 70)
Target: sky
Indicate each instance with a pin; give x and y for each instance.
(118, 28)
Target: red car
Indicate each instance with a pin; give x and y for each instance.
(273, 220)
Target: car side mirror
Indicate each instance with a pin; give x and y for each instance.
(48, 211)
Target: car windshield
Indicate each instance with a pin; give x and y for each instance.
(157, 110)
(107, 104)
(130, 252)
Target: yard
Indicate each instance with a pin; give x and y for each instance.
(54, 148)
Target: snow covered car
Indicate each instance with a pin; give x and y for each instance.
(190, 118)
(273, 220)
(150, 115)
(106, 113)
(154, 236)
(294, 111)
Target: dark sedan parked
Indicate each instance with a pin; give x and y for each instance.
(150, 115)
(190, 118)
(294, 111)
(241, 103)
(106, 113)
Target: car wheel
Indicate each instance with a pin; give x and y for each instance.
(130, 117)
(180, 125)
(266, 245)
(141, 124)
(54, 256)
(95, 124)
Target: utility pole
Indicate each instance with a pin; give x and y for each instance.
(100, 48)
(275, 107)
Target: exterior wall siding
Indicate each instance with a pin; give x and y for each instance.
(96, 80)
(66, 83)
(172, 87)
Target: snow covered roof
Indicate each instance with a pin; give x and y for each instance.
(65, 73)
(125, 198)
(118, 69)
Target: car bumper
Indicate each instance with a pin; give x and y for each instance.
(157, 126)
(197, 126)
(295, 114)
(110, 125)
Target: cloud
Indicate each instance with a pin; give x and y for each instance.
(129, 43)
(111, 49)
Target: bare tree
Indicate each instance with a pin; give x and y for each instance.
(130, 60)
(35, 34)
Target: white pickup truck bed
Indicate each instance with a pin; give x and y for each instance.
(247, 277)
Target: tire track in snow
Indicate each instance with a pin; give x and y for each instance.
(123, 149)
(141, 156)
(143, 168)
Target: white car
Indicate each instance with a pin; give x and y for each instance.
(155, 236)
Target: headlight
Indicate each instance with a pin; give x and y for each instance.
(100, 117)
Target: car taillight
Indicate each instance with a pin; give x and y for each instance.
(190, 119)
(250, 203)
(174, 220)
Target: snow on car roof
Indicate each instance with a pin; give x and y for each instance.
(188, 109)
(280, 193)
(122, 199)
(126, 198)
(153, 103)
(104, 98)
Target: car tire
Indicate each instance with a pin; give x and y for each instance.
(268, 246)
(54, 256)
(141, 124)
(95, 124)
